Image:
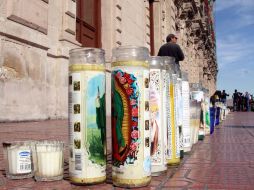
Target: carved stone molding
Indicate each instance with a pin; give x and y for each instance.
(33, 14)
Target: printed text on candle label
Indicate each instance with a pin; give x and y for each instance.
(24, 161)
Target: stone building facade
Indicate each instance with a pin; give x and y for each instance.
(36, 36)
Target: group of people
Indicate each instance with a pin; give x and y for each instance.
(219, 96)
(242, 101)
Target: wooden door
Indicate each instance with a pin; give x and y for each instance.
(151, 11)
(88, 20)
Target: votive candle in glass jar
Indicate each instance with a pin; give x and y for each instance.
(174, 151)
(131, 158)
(18, 159)
(87, 116)
(186, 113)
(48, 160)
(158, 126)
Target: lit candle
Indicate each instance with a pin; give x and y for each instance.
(48, 161)
(18, 159)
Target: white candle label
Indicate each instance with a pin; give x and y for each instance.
(166, 113)
(130, 122)
(23, 161)
(177, 118)
(155, 120)
(186, 114)
(87, 124)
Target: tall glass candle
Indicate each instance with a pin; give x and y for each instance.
(186, 113)
(174, 155)
(130, 117)
(197, 95)
(179, 109)
(207, 112)
(157, 125)
(87, 116)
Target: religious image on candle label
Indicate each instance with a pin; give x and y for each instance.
(77, 144)
(96, 119)
(125, 116)
(146, 82)
(155, 123)
(76, 108)
(76, 85)
(70, 80)
(202, 118)
(77, 127)
(146, 125)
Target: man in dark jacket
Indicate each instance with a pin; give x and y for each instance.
(171, 49)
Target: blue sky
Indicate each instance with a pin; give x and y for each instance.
(234, 24)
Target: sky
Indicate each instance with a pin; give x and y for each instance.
(234, 26)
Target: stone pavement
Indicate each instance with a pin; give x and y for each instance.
(224, 160)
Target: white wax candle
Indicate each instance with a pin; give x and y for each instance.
(49, 161)
(19, 159)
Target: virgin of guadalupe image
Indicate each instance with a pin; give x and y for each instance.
(124, 118)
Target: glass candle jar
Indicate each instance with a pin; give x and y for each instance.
(167, 71)
(87, 116)
(158, 124)
(174, 150)
(197, 95)
(130, 117)
(48, 160)
(18, 159)
(186, 113)
(179, 108)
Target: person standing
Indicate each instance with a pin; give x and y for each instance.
(236, 100)
(172, 49)
(247, 99)
(224, 97)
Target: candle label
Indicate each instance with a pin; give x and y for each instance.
(125, 121)
(173, 137)
(186, 114)
(87, 124)
(207, 115)
(199, 96)
(24, 161)
(177, 119)
(202, 118)
(157, 150)
(179, 115)
(130, 123)
(166, 115)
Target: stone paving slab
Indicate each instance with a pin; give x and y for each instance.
(224, 160)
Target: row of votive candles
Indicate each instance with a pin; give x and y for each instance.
(41, 159)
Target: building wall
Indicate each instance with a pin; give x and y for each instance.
(35, 44)
(35, 38)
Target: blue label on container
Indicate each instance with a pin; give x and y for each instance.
(24, 153)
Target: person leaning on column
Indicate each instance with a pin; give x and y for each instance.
(172, 49)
